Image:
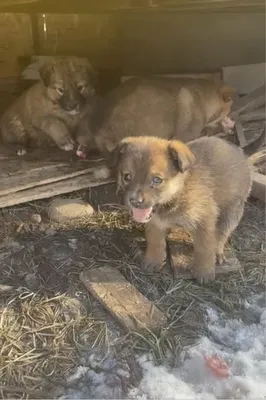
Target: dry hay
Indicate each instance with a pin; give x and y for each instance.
(41, 339)
(42, 342)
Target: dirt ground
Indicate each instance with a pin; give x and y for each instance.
(49, 321)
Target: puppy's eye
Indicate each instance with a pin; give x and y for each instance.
(127, 177)
(156, 180)
(60, 90)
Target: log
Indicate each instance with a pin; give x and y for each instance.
(127, 305)
(258, 189)
(182, 255)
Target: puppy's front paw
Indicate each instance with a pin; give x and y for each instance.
(220, 258)
(204, 276)
(152, 264)
(68, 146)
(21, 152)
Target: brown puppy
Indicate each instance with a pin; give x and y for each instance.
(201, 187)
(48, 112)
(170, 108)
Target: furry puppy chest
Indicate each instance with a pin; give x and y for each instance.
(49, 112)
(201, 186)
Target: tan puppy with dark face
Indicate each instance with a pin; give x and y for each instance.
(49, 112)
(201, 187)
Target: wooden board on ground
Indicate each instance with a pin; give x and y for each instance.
(126, 304)
(39, 175)
(181, 257)
(258, 189)
(250, 102)
(256, 138)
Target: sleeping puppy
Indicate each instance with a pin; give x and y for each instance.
(201, 187)
(170, 108)
(49, 112)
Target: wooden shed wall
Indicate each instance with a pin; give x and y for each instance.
(140, 41)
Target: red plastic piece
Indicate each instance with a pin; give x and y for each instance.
(217, 366)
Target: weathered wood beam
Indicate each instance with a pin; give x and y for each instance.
(126, 304)
(253, 100)
(83, 181)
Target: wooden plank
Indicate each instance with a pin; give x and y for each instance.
(39, 176)
(85, 181)
(126, 304)
(257, 115)
(216, 76)
(245, 78)
(240, 134)
(182, 255)
(255, 99)
(257, 157)
(257, 143)
(258, 189)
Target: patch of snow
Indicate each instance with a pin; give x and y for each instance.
(241, 346)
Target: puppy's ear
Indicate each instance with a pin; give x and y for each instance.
(181, 156)
(114, 156)
(90, 71)
(227, 93)
(46, 71)
(93, 76)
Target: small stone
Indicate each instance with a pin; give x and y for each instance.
(64, 210)
(102, 173)
(36, 218)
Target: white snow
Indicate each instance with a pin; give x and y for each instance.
(240, 345)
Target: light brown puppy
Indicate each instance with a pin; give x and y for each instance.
(49, 112)
(170, 108)
(201, 187)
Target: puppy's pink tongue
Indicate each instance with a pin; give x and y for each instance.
(141, 214)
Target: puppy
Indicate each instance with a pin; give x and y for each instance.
(170, 108)
(49, 112)
(201, 187)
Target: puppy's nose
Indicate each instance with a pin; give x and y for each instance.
(73, 105)
(136, 201)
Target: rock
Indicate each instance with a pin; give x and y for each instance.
(36, 218)
(102, 173)
(64, 210)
